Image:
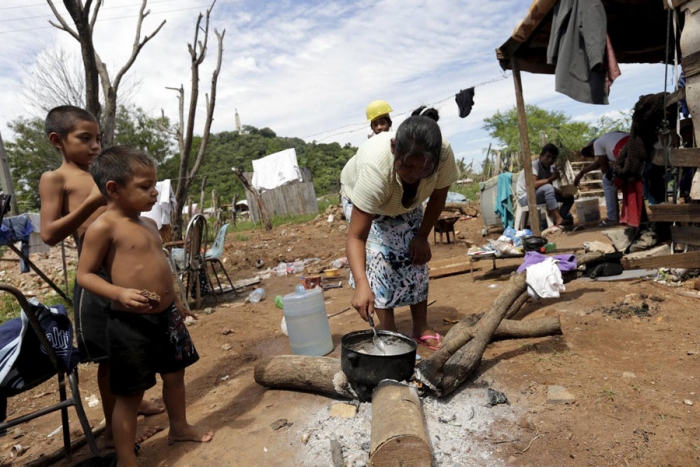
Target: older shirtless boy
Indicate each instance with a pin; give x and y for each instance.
(146, 331)
(70, 202)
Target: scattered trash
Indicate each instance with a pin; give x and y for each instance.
(333, 286)
(209, 310)
(305, 437)
(17, 450)
(281, 269)
(279, 301)
(339, 263)
(688, 402)
(54, 431)
(226, 332)
(256, 295)
(283, 326)
(226, 347)
(281, 423)
(92, 401)
(259, 263)
(331, 218)
(493, 286)
(225, 377)
(496, 397)
(190, 321)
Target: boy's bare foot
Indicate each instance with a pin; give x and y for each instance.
(197, 434)
(142, 435)
(150, 408)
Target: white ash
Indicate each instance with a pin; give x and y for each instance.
(463, 430)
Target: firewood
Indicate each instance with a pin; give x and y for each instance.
(398, 430)
(304, 373)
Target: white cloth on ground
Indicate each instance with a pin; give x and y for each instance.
(276, 170)
(165, 205)
(544, 280)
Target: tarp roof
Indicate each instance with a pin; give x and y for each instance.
(637, 30)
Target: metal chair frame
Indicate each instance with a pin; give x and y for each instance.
(214, 260)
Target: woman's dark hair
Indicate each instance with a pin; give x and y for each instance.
(550, 148)
(420, 135)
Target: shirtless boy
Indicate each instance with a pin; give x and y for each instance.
(146, 332)
(70, 202)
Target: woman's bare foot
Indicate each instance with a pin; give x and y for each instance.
(197, 434)
(150, 408)
(142, 434)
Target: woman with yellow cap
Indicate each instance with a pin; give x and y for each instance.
(378, 116)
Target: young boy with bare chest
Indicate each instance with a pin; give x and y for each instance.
(145, 332)
(70, 202)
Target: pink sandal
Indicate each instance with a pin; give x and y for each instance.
(423, 339)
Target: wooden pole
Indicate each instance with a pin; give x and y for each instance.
(525, 146)
(201, 195)
(234, 214)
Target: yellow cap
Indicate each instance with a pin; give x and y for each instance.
(377, 109)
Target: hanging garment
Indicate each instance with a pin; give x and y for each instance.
(465, 101)
(276, 170)
(504, 199)
(612, 69)
(632, 203)
(17, 229)
(544, 280)
(577, 46)
(162, 210)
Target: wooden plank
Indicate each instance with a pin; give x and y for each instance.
(446, 267)
(685, 235)
(675, 97)
(689, 260)
(679, 157)
(674, 212)
(691, 64)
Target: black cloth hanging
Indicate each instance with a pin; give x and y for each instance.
(465, 101)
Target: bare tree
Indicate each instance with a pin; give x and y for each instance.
(57, 78)
(185, 130)
(95, 69)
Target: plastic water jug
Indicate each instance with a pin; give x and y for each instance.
(307, 322)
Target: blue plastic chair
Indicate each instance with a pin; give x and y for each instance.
(213, 257)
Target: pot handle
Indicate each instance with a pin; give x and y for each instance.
(353, 358)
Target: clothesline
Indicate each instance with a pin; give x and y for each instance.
(363, 125)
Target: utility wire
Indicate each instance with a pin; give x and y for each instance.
(363, 125)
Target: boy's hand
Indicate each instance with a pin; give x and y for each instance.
(96, 198)
(133, 300)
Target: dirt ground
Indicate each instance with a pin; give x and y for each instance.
(633, 370)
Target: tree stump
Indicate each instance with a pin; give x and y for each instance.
(399, 438)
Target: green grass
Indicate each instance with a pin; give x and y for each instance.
(471, 191)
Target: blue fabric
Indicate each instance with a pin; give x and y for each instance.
(565, 263)
(17, 229)
(504, 199)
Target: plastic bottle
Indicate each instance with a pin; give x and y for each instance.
(307, 322)
(256, 295)
(279, 302)
(298, 267)
(548, 248)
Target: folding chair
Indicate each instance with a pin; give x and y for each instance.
(56, 366)
(213, 257)
(190, 259)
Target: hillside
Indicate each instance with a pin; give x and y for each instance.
(235, 149)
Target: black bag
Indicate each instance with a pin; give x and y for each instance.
(533, 243)
(608, 265)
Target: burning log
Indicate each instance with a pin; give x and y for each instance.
(398, 431)
(304, 373)
(463, 347)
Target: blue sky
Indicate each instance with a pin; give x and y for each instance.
(309, 68)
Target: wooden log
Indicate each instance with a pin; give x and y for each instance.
(516, 329)
(464, 208)
(685, 235)
(398, 436)
(517, 305)
(303, 373)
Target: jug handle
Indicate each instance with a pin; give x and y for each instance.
(353, 358)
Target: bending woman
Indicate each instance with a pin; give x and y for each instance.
(383, 188)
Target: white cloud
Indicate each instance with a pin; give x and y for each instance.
(309, 67)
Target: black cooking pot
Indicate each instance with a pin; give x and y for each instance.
(365, 366)
(533, 243)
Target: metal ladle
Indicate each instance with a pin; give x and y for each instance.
(378, 342)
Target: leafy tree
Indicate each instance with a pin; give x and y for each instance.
(136, 128)
(557, 126)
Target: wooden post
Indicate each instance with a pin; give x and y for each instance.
(234, 214)
(201, 195)
(264, 217)
(398, 430)
(525, 146)
(6, 179)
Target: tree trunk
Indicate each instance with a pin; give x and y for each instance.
(302, 373)
(264, 216)
(398, 430)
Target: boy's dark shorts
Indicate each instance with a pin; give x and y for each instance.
(91, 314)
(142, 345)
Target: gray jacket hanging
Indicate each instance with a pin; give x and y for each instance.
(577, 47)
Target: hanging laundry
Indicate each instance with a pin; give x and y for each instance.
(161, 211)
(612, 69)
(465, 101)
(632, 203)
(504, 199)
(577, 46)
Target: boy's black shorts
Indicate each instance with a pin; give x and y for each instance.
(142, 345)
(91, 314)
